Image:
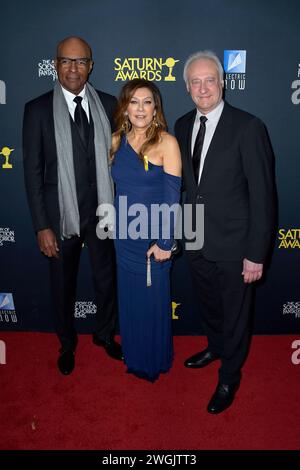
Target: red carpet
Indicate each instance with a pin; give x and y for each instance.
(99, 406)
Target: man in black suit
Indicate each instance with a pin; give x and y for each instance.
(227, 167)
(66, 177)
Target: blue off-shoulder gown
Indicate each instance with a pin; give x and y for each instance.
(144, 312)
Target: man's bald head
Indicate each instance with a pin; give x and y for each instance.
(73, 41)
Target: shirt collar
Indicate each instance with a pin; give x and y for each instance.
(213, 115)
(70, 96)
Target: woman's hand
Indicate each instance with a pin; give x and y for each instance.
(159, 255)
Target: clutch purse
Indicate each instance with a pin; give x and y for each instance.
(175, 250)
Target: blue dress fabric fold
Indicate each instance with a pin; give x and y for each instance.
(144, 312)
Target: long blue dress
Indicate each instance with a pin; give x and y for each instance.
(144, 312)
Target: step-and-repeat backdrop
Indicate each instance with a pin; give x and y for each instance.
(258, 42)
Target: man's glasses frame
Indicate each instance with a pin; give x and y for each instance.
(67, 61)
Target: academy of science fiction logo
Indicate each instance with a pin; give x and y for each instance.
(82, 309)
(46, 68)
(149, 68)
(292, 308)
(235, 70)
(289, 238)
(6, 235)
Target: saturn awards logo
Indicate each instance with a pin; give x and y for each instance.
(6, 152)
(149, 68)
(295, 97)
(174, 313)
(235, 70)
(46, 68)
(289, 238)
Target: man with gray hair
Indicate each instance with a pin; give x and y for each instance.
(227, 166)
(66, 141)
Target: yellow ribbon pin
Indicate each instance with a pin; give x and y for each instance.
(146, 166)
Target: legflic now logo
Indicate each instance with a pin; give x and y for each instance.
(7, 308)
(235, 61)
(235, 69)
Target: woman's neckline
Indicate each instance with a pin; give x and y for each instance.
(149, 161)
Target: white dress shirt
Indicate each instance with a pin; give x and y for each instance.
(211, 124)
(72, 105)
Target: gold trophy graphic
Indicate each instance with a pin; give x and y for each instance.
(6, 151)
(170, 62)
(174, 307)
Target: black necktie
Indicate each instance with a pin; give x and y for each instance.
(198, 147)
(81, 120)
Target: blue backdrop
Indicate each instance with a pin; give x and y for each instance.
(260, 42)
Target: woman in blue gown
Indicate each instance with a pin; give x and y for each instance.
(146, 169)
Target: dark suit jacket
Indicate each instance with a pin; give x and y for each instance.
(236, 186)
(40, 158)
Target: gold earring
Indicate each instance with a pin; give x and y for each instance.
(126, 126)
(155, 122)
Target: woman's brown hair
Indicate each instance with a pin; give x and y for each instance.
(123, 125)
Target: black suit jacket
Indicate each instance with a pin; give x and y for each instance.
(236, 186)
(40, 158)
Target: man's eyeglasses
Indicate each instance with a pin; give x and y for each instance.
(67, 61)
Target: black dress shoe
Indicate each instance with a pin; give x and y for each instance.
(112, 348)
(222, 398)
(201, 359)
(66, 361)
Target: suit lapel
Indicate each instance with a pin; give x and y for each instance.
(218, 143)
(91, 134)
(187, 138)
